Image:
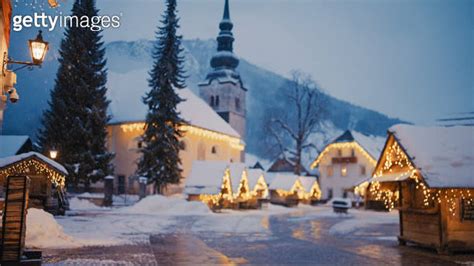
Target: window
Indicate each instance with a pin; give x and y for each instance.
(344, 193)
(217, 101)
(139, 144)
(330, 170)
(214, 150)
(343, 170)
(339, 152)
(329, 193)
(353, 153)
(201, 152)
(362, 170)
(237, 104)
(212, 102)
(467, 211)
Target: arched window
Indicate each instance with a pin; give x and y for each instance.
(214, 150)
(217, 101)
(212, 101)
(201, 152)
(237, 104)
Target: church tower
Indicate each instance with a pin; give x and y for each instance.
(223, 89)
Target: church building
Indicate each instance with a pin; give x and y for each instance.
(215, 126)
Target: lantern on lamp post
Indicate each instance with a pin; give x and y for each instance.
(38, 49)
(53, 153)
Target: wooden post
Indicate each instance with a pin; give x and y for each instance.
(14, 219)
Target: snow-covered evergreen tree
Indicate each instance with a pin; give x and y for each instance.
(160, 161)
(76, 121)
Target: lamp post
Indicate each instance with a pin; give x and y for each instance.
(38, 48)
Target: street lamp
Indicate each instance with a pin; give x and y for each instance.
(53, 154)
(38, 49)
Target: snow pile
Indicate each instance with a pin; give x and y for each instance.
(82, 204)
(42, 231)
(158, 204)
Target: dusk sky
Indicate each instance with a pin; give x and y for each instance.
(412, 59)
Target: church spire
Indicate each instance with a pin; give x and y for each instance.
(224, 59)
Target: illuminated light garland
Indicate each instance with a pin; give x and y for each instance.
(342, 146)
(395, 157)
(23, 168)
(234, 142)
(260, 186)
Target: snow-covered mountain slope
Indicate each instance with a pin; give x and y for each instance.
(122, 57)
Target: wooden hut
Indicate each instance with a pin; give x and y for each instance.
(47, 180)
(285, 189)
(429, 172)
(224, 185)
(257, 183)
(312, 193)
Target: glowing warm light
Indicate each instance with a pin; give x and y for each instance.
(23, 167)
(234, 142)
(53, 154)
(351, 145)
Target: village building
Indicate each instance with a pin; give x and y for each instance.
(47, 180)
(5, 21)
(429, 173)
(214, 130)
(226, 185)
(345, 163)
(284, 164)
(14, 145)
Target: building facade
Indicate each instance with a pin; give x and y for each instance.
(223, 88)
(5, 18)
(345, 163)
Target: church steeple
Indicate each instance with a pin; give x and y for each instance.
(223, 88)
(224, 59)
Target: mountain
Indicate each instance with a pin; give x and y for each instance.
(122, 57)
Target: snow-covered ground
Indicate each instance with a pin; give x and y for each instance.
(90, 225)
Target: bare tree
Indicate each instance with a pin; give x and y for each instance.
(291, 124)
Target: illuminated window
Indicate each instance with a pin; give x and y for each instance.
(330, 170)
(339, 152)
(343, 170)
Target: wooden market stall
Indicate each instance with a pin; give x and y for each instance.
(429, 172)
(289, 189)
(224, 185)
(47, 187)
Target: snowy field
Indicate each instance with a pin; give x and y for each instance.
(89, 225)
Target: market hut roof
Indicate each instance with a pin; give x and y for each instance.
(253, 175)
(126, 92)
(443, 155)
(236, 172)
(308, 182)
(57, 173)
(205, 178)
(283, 181)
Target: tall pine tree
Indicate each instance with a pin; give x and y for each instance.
(76, 121)
(160, 161)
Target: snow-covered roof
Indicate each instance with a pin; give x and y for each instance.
(372, 144)
(307, 182)
(10, 145)
(205, 177)
(253, 175)
(236, 171)
(4, 162)
(126, 92)
(283, 181)
(443, 155)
